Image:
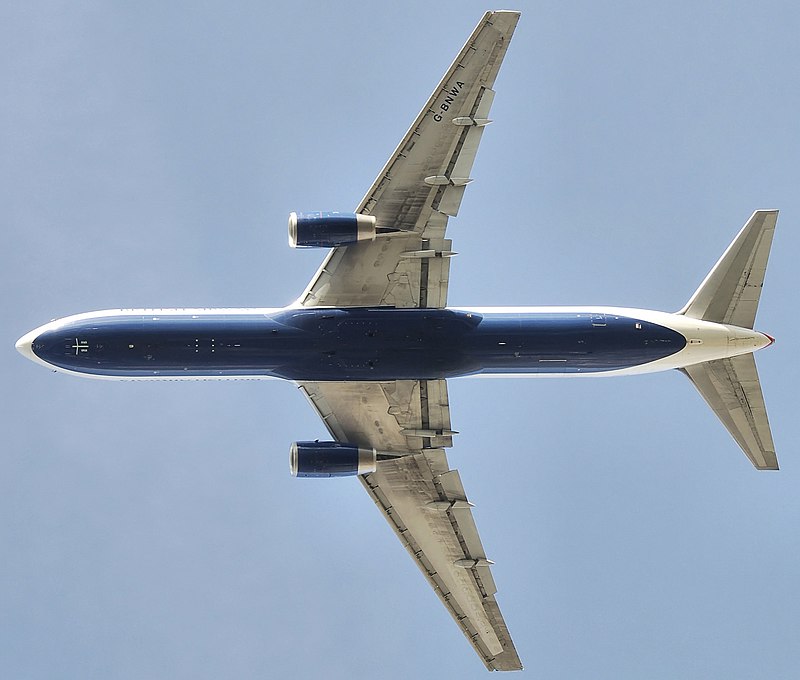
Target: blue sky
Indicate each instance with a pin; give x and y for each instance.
(150, 155)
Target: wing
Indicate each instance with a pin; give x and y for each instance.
(421, 497)
(420, 186)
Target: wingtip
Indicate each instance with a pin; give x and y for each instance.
(512, 15)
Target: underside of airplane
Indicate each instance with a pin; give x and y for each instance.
(371, 341)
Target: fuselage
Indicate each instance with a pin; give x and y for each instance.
(340, 344)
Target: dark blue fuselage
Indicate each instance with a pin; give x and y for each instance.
(352, 344)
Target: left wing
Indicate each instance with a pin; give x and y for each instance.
(408, 423)
(420, 186)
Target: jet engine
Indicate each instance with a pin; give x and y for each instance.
(330, 459)
(329, 229)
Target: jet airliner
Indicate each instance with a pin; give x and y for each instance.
(371, 341)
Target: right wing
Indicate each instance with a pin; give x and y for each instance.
(420, 186)
(421, 497)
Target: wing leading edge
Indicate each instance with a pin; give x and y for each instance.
(424, 501)
(420, 186)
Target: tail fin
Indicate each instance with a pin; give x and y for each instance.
(730, 292)
(732, 390)
(729, 295)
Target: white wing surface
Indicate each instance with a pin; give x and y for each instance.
(420, 186)
(732, 389)
(732, 289)
(408, 423)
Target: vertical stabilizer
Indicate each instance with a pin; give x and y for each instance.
(732, 389)
(730, 292)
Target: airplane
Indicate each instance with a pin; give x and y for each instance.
(371, 341)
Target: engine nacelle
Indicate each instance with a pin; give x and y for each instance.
(329, 229)
(330, 459)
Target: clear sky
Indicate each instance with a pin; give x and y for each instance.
(150, 155)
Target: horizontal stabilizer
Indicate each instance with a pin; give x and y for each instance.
(730, 292)
(732, 389)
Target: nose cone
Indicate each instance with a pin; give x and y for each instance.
(24, 345)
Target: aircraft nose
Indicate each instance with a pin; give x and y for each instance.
(24, 345)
